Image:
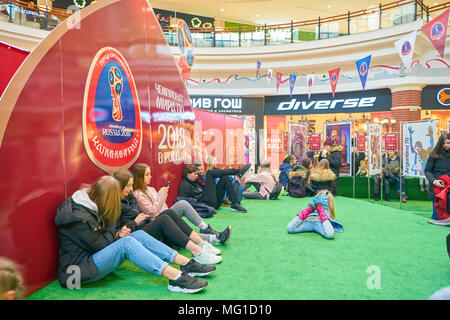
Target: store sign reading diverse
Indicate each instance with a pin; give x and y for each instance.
(345, 102)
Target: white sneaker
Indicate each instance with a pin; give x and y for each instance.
(205, 257)
(209, 247)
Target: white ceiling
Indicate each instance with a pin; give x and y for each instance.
(259, 12)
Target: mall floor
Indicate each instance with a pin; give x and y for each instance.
(384, 253)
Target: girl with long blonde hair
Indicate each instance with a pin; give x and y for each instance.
(90, 243)
(318, 216)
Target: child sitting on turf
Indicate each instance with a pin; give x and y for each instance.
(318, 216)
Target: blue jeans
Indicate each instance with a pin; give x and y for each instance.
(325, 229)
(396, 179)
(434, 216)
(140, 248)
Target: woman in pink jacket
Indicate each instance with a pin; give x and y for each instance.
(152, 202)
(264, 182)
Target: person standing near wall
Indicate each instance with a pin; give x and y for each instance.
(333, 153)
(438, 165)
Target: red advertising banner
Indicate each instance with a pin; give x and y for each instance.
(315, 141)
(390, 141)
(361, 141)
(11, 58)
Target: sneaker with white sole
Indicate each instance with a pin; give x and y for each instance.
(187, 284)
(237, 207)
(225, 235)
(206, 257)
(209, 247)
(193, 268)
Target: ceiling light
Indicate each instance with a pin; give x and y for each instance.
(221, 9)
(257, 15)
(329, 6)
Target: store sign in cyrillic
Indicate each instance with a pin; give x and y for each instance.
(343, 102)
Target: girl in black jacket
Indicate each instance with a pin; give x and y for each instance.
(438, 165)
(333, 153)
(167, 226)
(90, 246)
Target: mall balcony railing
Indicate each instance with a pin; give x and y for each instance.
(377, 17)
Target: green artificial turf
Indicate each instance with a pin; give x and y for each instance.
(263, 261)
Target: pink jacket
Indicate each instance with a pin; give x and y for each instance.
(152, 206)
(267, 182)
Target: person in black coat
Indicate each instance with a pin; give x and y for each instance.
(333, 153)
(90, 246)
(167, 227)
(438, 165)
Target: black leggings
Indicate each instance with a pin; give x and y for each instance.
(213, 194)
(169, 228)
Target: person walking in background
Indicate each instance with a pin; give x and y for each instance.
(333, 153)
(437, 167)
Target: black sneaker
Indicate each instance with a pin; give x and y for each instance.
(237, 207)
(225, 235)
(243, 170)
(209, 230)
(187, 284)
(193, 268)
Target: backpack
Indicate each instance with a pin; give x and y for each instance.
(297, 187)
(276, 190)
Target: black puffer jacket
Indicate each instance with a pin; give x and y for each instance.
(80, 235)
(129, 212)
(435, 168)
(190, 189)
(334, 159)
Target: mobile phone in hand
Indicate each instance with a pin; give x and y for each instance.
(168, 183)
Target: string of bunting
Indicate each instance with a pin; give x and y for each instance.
(435, 30)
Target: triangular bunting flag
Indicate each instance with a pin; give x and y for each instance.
(436, 31)
(292, 79)
(363, 69)
(309, 83)
(269, 75)
(279, 74)
(405, 48)
(258, 66)
(334, 76)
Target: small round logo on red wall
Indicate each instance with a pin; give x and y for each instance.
(112, 125)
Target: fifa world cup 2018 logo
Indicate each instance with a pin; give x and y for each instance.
(116, 84)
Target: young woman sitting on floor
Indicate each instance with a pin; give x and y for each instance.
(322, 177)
(152, 202)
(264, 182)
(167, 227)
(318, 216)
(212, 193)
(88, 239)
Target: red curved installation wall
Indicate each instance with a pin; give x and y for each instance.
(11, 58)
(101, 92)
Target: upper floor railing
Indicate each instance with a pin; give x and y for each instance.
(373, 18)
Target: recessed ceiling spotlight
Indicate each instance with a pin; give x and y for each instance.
(257, 15)
(222, 9)
(329, 6)
(435, 4)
